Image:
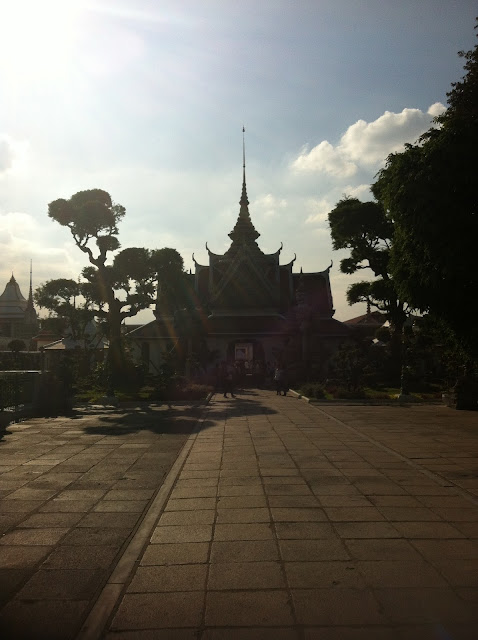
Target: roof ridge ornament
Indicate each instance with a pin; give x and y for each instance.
(244, 230)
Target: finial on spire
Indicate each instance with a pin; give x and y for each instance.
(244, 228)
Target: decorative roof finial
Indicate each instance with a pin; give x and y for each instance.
(244, 229)
(244, 200)
(30, 294)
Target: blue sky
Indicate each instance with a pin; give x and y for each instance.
(146, 99)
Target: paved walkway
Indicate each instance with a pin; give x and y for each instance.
(281, 521)
(73, 492)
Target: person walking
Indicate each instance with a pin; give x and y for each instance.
(279, 379)
(228, 379)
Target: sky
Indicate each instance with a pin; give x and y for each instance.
(146, 99)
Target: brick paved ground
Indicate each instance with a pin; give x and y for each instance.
(285, 521)
(72, 493)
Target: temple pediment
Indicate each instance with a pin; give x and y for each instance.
(244, 282)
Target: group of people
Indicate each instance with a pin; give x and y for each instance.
(228, 375)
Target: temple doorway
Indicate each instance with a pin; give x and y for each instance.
(244, 351)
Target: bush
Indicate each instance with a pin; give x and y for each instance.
(313, 390)
(345, 394)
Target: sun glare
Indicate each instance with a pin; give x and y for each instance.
(35, 39)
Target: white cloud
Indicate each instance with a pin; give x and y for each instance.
(7, 153)
(267, 206)
(318, 210)
(325, 158)
(367, 144)
(23, 238)
(436, 109)
(13, 155)
(361, 191)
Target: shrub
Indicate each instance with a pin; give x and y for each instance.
(313, 390)
(345, 394)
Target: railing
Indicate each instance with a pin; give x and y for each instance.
(18, 393)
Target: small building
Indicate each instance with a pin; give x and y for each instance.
(366, 325)
(18, 317)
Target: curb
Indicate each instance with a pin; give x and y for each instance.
(365, 403)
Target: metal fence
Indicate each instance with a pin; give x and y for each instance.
(18, 390)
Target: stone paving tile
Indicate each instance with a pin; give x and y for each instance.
(287, 490)
(182, 533)
(185, 482)
(298, 515)
(109, 519)
(20, 557)
(468, 529)
(27, 494)
(190, 504)
(336, 607)
(237, 531)
(460, 549)
(201, 516)
(87, 557)
(34, 536)
(61, 584)
(333, 489)
(244, 551)
(428, 530)
(313, 550)
(229, 516)
(413, 605)
(382, 549)
(344, 501)
(241, 502)
(262, 633)
(57, 619)
(177, 553)
(248, 608)
(238, 575)
(67, 506)
(399, 573)
(293, 501)
(174, 578)
(43, 520)
(457, 572)
(304, 530)
(353, 514)
(234, 490)
(159, 610)
(121, 506)
(194, 492)
(364, 632)
(330, 574)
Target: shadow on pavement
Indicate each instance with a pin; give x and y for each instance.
(174, 418)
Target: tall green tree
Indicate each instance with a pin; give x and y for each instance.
(172, 288)
(92, 218)
(67, 311)
(429, 191)
(367, 232)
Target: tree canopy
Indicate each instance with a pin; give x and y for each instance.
(67, 313)
(429, 191)
(117, 290)
(365, 229)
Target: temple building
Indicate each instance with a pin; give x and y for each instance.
(249, 306)
(18, 318)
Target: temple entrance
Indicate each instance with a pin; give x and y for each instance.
(244, 351)
(249, 359)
